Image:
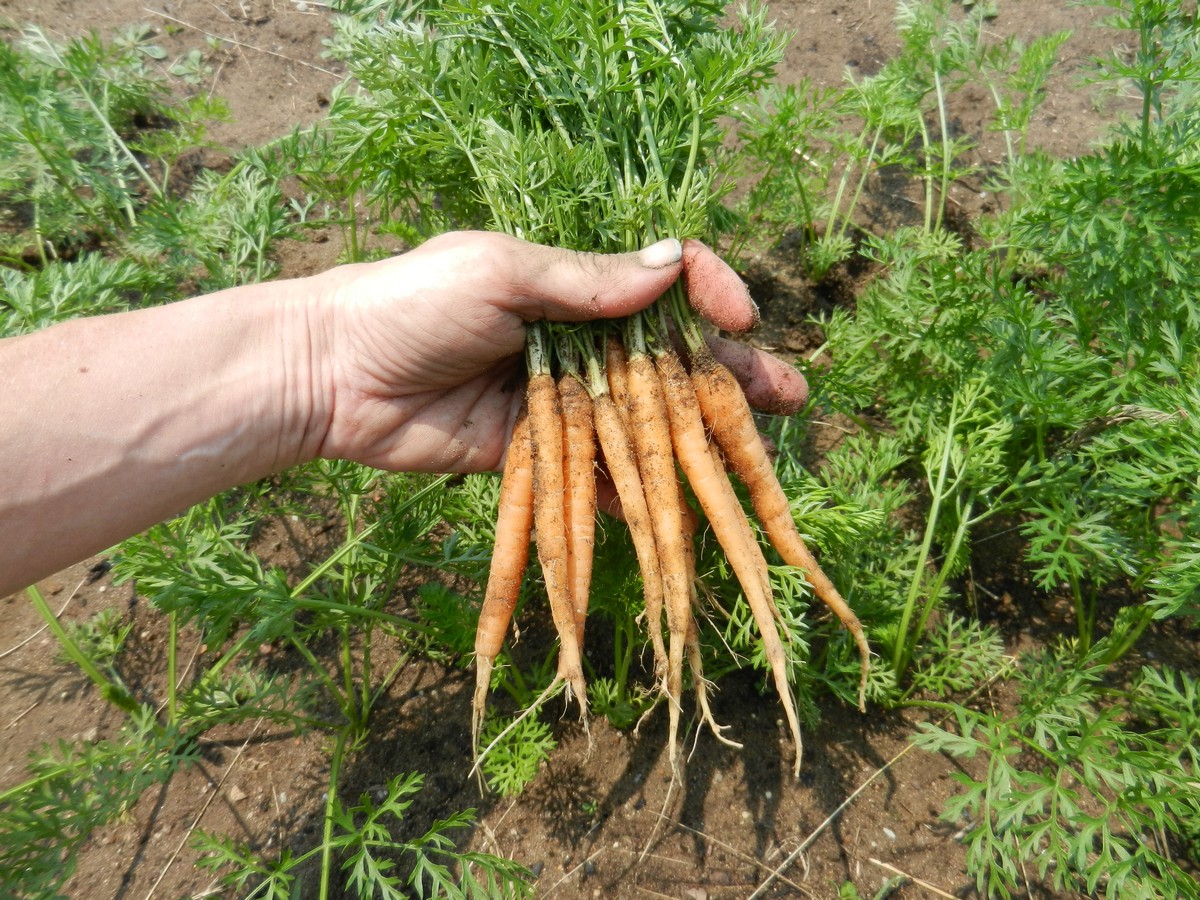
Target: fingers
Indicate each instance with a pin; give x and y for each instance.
(540, 282)
(569, 286)
(716, 291)
(536, 281)
(770, 384)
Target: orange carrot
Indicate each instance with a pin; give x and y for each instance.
(711, 486)
(691, 522)
(510, 556)
(742, 524)
(546, 439)
(622, 467)
(579, 459)
(616, 366)
(727, 413)
(652, 437)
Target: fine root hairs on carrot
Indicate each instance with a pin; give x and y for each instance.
(728, 415)
(579, 472)
(545, 435)
(691, 523)
(510, 556)
(701, 686)
(710, 484)
(656, 462)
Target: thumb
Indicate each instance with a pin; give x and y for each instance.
(571, 286)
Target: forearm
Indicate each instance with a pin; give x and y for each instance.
(114, 423)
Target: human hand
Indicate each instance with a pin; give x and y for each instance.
(420, 356)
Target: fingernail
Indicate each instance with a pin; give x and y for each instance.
(665, 253)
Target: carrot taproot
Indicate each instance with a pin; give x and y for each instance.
(579, 460)
(656, 462)
(726, 412)
(546, 441)
(742, 524)
(710, 484)
(691, 522)
(701, 686)
(616, 370)
(621, 460)
(510, 557)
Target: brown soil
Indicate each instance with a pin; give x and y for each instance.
(598, 821)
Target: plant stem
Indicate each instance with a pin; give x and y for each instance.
(335, 770)
(864, 173)
(112, 691)
(964, 524)
(902, 652)
(351, 708)
(172, 662)
(1148, 85)
(115, 138)
(538, 348)
(335, 691)
(383, 686)
(944, 123)
(927, 177)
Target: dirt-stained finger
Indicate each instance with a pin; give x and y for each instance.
(716, 291)
(770, 384)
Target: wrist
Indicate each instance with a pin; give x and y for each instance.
(301, 369)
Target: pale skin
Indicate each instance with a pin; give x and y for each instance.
(114, 423)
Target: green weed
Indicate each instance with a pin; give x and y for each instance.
(361, 835)
(101, 638)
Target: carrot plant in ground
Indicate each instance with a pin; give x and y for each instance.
(362, 837)
(812, 156)
(1046, 380)
(71, 790)
(93, 220)
(80, 120)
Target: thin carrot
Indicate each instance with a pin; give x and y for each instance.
(727, 413)
(742, 524)
(579, 460)
(652, 437)
(616, 367)
(620, 457)
(546, 439)
(510, 556)
(691, 522)
(711, 486)
(701, 686)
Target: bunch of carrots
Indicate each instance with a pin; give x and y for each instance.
(594, 125)
(631, 400)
